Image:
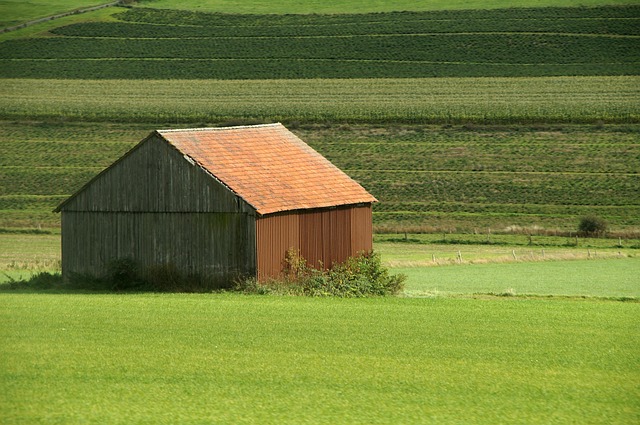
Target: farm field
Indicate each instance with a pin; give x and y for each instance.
(364, 6)
(14, 12)
(374, 101)
(167, 44)
(531, 179)
(248, 359)
(484, 134)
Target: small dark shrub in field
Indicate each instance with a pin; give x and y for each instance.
(122, 274)
(359, 276)
(592, 226)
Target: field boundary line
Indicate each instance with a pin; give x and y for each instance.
(57, 16)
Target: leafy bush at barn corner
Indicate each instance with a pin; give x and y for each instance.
(359, 276)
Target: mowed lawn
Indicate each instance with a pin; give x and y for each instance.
(227, 358)
(600, 278)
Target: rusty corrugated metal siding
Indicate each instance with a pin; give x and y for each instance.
(362, 228)
(322, 236)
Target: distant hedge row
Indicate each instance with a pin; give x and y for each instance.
(164, 44)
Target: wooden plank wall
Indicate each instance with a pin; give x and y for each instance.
(322, 237)
(215, 246)
(156, 177)
(157, 207)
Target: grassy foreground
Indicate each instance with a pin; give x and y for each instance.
(241, 359)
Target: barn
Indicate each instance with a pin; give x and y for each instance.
(217, 203)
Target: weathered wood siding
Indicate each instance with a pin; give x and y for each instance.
(215, 246)
(322, 236)
(155, 177)
(157, 207)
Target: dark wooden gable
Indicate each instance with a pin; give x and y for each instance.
(155, 177)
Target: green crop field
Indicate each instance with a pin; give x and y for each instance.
(73, 358)
(425, 100)
(441, 154)
(429, 178)
(168, 44)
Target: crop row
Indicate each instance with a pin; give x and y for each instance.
(44, 181)
(515, 209)
(439, 48)
(61, 153)
(503, 188)
(522, 156)
(466, 100)
(604, 26)
(252, 69)
(183, 17)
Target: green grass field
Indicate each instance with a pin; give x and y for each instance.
(363, 6)
(14, 12)
(583, 278)
(247, 359)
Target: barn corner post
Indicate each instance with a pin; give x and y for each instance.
(219, 203)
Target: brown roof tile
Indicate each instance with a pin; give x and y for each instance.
(269, 167)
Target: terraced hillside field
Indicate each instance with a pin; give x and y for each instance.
(173, 44)
(427, 177)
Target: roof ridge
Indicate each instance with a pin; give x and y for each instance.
(236, 127)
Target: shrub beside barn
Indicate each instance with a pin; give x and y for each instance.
(217, 203)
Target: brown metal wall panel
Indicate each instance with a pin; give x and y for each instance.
(276, 234)
(311, 238)
(361, 229)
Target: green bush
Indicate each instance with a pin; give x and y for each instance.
(592, 226)
(359, 276)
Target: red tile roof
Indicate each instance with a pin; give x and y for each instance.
(269, 167)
